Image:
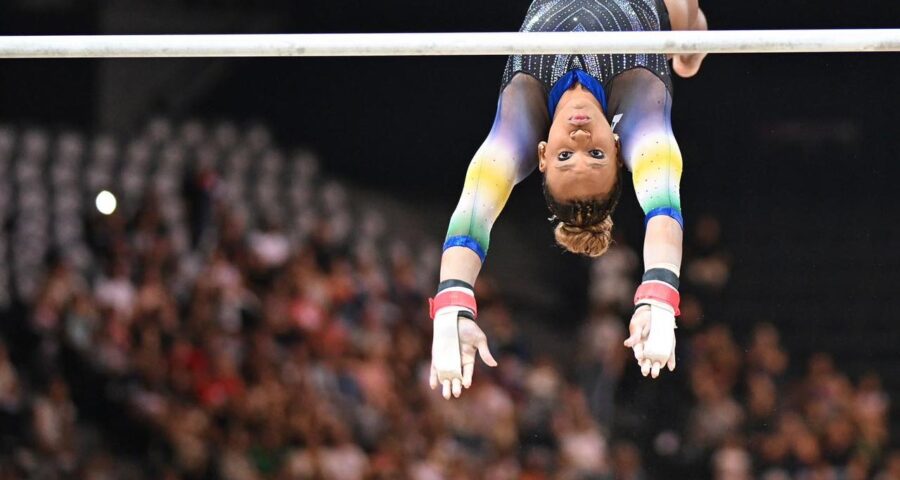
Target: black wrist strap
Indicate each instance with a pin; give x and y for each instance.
(661, 275)
(453, 283)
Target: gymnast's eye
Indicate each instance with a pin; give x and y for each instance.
(597, 153)
(564, 155)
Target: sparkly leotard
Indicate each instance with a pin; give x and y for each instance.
(635, 92)
(590, 16)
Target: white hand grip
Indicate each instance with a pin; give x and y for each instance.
(445, 354)
(658, 346)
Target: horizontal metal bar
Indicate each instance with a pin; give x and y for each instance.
(413, 44)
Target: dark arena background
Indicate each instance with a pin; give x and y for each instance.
(255, 306)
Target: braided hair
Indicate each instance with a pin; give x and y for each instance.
(584, 226)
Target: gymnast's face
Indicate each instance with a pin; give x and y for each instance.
(580, 157)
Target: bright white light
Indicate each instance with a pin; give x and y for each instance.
(106, 202)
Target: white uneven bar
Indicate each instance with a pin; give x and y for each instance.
(405, 44)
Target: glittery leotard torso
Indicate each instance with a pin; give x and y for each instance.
(591, 16)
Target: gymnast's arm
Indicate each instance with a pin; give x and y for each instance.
(652, 154)
(506, 157)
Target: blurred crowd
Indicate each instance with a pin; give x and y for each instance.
(733, 410)
(240, 317)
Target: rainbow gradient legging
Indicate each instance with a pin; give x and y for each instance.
(509, 154)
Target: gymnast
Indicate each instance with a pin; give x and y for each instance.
(580, 119)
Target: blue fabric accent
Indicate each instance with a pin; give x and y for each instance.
(566, 81)
(667, 211)
(468, 242)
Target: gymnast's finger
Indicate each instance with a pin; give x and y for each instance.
(635, 335)
(446, 389)
(639, 352)
(671, 363)
(468, 369)
(457, 387)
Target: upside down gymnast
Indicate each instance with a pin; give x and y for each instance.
(579, 119)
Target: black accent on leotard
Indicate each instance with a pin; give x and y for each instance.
(591, 16)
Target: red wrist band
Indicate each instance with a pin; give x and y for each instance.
(659, 291)
(451, 298)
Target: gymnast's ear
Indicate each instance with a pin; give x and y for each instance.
(542, 162)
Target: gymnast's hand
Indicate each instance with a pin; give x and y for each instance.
(652, 337)
(456, 338)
